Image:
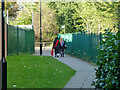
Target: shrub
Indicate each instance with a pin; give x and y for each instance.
(108, 71)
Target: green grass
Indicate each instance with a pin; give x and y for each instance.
(28, 71)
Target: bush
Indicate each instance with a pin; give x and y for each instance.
(108, 71)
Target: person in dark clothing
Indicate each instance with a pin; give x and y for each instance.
(62, 42)
(57, 47)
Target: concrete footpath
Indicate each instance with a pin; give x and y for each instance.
(85, 72)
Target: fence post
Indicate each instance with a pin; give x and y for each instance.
(94, 41)
(33, 41)
(7, 39)
(100, 39)
(25, 40)
(17, 40)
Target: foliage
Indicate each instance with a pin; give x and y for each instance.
(108, 14)
(12, 8)
(76, 16)
(49, 21)
(23, 18)
(107, 73)
(86, 16)
(65, 15)
(28, 71)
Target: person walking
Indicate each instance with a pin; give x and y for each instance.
(62, 42)
(57, 47)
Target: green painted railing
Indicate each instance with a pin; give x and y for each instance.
(19, 40)
(82, 45)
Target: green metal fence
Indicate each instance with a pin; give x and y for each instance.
(82, 45)
(19, 40)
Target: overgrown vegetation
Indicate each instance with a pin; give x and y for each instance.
(107, 74)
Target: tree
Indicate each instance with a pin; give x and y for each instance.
(12, 8)
(65, 15)
(24, 17)
(49, 21)
(85, 16)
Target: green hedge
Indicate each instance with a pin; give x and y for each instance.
(108, 71)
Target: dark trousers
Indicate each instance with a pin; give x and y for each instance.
(62, 52)
(57, 50)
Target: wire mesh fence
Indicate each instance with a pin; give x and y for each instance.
(19, 40)
(82, 45)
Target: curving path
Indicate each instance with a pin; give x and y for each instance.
(85, 72)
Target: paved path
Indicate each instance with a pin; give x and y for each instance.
(85, 72)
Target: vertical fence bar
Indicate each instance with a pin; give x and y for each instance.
(100, 39)
(25, 40)
(33, 42)
(94, 41)
(7, 39)
(17, 40)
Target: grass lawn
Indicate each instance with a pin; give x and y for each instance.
(28, 71)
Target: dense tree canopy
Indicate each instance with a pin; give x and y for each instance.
(86, 16)
(76, 16)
